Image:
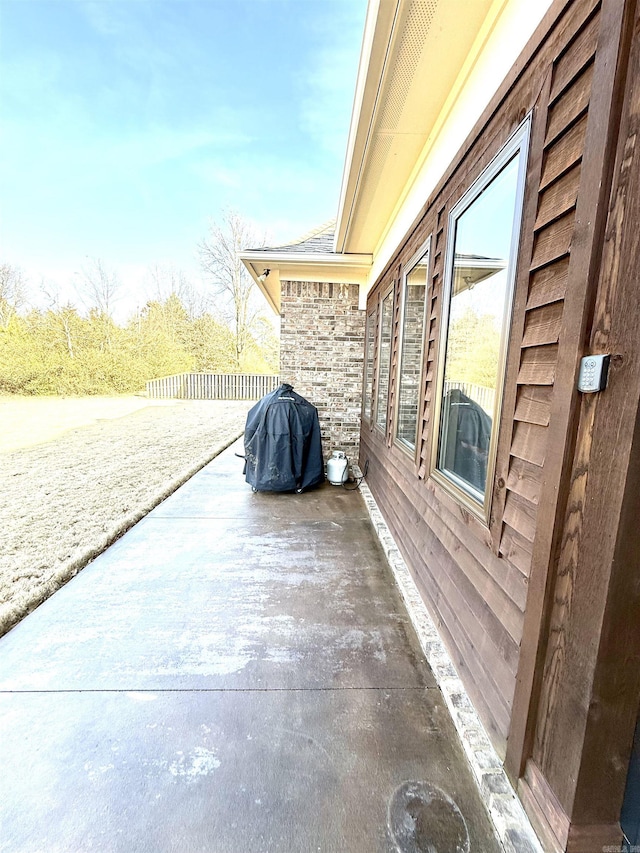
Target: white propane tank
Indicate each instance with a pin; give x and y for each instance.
(337, 468)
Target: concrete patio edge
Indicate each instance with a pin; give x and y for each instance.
(505, 810)
(12, 614)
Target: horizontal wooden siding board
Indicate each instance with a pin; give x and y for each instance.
(579, 53)
(487, 583)
(558, 198)
(542, 325)
(538, 365)
(571, 106)
(534, 404)
(565, 153)
(548, 284)
(524, 479)
(553, 241)
(515, 548)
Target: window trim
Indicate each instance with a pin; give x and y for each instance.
(424, 250)
(389, 292)
(517, 143)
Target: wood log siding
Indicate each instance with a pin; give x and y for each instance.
(473, 579)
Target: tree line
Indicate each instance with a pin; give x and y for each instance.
(70, 350)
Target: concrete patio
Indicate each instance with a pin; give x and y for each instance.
(237, 673)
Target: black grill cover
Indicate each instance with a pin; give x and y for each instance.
(282, 444)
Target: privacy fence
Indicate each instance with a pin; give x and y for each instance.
(213, 386)
(483, 396)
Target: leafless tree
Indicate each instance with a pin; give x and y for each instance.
(99, 287)
(219, 259)
(61, 314)
(165, 280)
(13, 292)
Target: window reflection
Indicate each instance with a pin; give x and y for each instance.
(370, 344)
(479, 302)
(384, 363)
(415, 287)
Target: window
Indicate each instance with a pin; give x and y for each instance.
(477, 298)
(414, 292)
(384, 360)
(369, 363)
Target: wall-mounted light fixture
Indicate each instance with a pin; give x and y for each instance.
(262, 278)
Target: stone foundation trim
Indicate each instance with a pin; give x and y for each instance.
(505, 809)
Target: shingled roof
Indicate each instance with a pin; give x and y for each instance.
(317, 241)
(309, 258)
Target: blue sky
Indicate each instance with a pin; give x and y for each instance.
(127, 126)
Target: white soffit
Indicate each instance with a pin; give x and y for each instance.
(303, 266)
(414, 57)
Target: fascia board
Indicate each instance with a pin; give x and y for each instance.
(376, 45)
(504, 35)
(303, 266)
(269, 287)
(322, 258)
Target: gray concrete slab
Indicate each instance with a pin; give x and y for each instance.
(208, 498)
(237, 673)
(222, 771)
(219, 491)
(200, 604)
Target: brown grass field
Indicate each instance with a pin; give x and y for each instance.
(77, 473)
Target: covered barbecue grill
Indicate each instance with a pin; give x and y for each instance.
(282, 444)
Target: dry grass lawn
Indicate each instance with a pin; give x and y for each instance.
(77, 473)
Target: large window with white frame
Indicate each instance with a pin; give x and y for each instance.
(384, 359)
(482, 245)
(414, 295)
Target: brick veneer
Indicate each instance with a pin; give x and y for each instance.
(321, 355)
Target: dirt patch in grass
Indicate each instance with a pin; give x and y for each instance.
(63, 501)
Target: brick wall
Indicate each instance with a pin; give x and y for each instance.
(321, 355)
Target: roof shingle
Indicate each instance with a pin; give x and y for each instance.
(318, 241)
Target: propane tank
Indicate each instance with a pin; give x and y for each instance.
(337, 468)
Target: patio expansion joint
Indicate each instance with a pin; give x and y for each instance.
(309, 522)
(372, 689)
(505, 809)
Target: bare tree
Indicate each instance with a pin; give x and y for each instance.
(13, 291)
(219, 259)
(165, 280)
(99, 287)
(62, 316)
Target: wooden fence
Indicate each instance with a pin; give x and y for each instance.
(213, 386)
(483, 396)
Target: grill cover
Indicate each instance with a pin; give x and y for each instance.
(282, 444)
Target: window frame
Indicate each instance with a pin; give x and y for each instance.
(386, 294)
(424, 250)
(518, 143)
(370, 352)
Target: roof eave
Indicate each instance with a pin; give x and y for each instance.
(378, 30)
(416, 60)
(269, 268)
